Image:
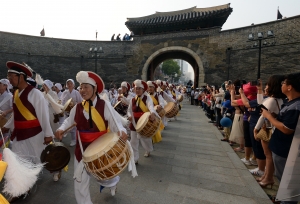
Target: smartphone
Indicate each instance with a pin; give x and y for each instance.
(237, 88)
(260, 106)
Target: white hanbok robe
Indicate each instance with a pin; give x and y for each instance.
(6, 106)
(52, 94)
(176, 93)
(135, 137)
(161, 100)
(167, 98)
(75, 95)
(59, 95)
(126, 100)
(76, 98)
(113, 96)
(82, 191)
(32, 148)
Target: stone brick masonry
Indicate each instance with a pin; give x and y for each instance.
(60, 59)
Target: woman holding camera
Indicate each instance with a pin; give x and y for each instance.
(285, 124)
(237, 131)
(273, 103)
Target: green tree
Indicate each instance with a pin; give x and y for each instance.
(170, 67)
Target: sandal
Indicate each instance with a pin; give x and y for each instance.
(259, 179)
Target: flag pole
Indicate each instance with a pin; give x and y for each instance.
(279, 15)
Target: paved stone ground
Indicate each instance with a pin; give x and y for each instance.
(191, 165)
(270, 191)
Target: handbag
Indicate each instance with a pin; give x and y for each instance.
(266, 133)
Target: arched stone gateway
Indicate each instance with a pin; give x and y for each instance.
(175, 52)
(194, 35)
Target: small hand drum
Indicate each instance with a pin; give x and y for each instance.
(121, 108)
(68, 105)
(171, 110)
(145, 127)
(106, 157)
(56, 156)
(161, 112)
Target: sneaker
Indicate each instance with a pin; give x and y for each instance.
(147, 154)
(73, 143)
(56, 176)
(253, 162)
(256, 172)
(247, 162)
(253, 169)
(113, 190)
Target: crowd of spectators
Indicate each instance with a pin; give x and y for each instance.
(261, 117)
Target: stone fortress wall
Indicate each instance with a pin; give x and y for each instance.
(60, 59)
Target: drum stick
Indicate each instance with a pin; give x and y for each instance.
(79, 141)
(68, 129)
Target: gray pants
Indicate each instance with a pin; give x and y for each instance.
(279, 163)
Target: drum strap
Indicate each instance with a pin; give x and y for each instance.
(98, 120)
(23, 110)
(173, 93)
(154, 100)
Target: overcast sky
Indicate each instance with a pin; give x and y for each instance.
(80, 19)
